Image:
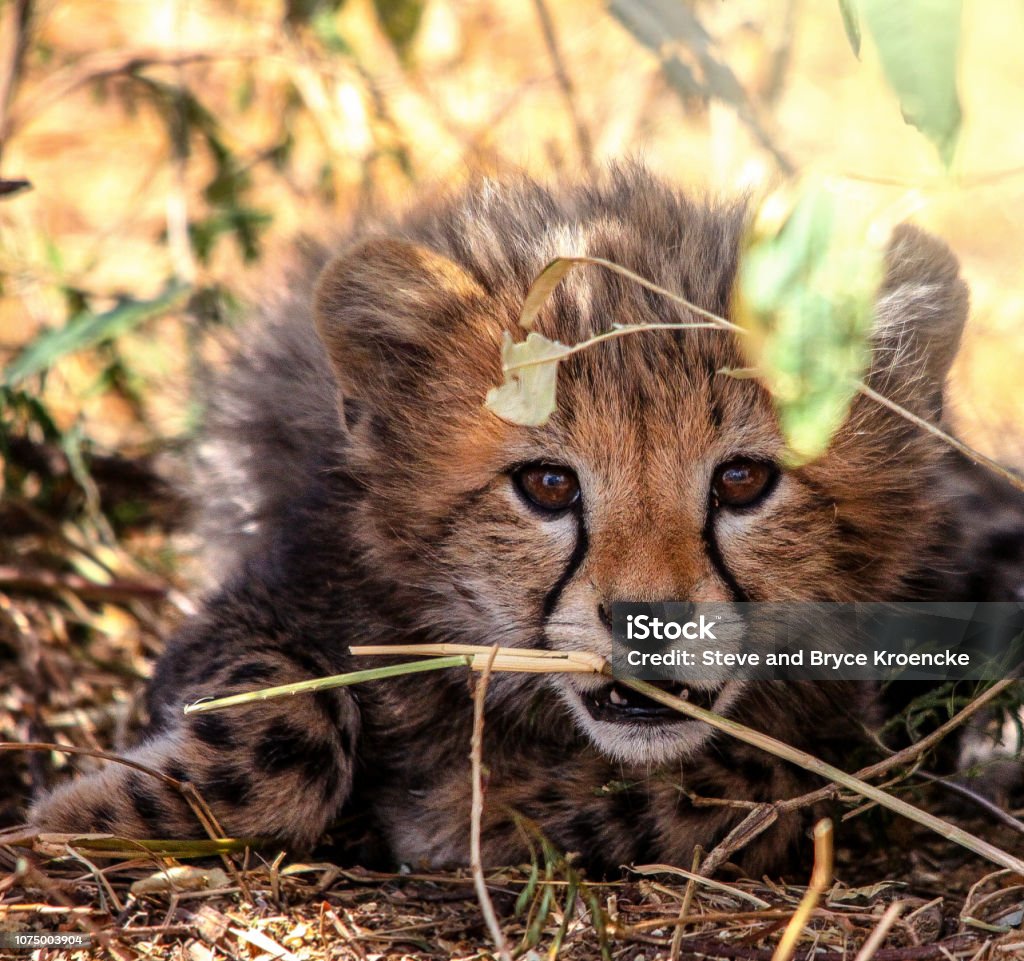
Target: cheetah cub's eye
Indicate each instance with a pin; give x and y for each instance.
(547, 486)
(741, 482)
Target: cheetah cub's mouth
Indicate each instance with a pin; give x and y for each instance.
(618, 704)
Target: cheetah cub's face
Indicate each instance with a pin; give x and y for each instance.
(658, 478)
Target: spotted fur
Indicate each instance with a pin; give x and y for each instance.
(355, 490)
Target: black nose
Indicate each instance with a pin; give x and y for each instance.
(604, 612)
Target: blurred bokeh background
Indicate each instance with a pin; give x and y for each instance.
(175, 149)
(192, 139)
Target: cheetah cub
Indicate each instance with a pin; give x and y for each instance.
(353, 489)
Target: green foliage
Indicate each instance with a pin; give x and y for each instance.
(918, 42)
(937, 704)
(655, 23)
(668, 28)
(86, 329)
(400, 20)
(539, 899)
(306, 11)
(190, 122)
(325, 28)
(243, 223)
(851, 24)
(805, 294)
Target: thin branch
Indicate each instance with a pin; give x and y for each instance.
(91, 752)
(186, 789)
(989, 807)
(684, 907)
(870, 947)
(968, 452)
(553, 273)
(765, 815)
(48, 582)
(829, 772)
(477, 810)
(618, 331)
(15, 29)
(584, 143)
(101, 66)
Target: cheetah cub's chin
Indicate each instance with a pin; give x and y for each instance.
(632, 729)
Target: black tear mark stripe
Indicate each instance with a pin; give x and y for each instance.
(711, 546)
(578, 554)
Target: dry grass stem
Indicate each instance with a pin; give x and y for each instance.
(684, 907)
(821, 878)
(831, 773)
(477, 810)
(969, 452)
(326, 683)
(870, 947)
(574, 661)
(765, 815)
(541, 661)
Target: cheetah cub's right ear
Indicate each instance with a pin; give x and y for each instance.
(920, 316)
(384, 307)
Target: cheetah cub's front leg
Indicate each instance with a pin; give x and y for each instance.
(279, 769)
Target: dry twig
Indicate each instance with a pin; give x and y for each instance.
(477, 810)
(821, 877)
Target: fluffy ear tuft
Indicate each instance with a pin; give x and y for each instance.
(920, 315)
(382, 303)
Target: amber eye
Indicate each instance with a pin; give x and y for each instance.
(547, 486)
(742, 482)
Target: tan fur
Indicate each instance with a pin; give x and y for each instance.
(394, 517)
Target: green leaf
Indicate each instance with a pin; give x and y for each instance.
(400, 19)
(527, 396)
(918, 42)
(805, 295)
(851, 24)
(305, 11)
(667, 26)
(86, 329)
(526, 895)
(328, 683)
(325, 27)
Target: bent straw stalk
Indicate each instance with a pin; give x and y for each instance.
(480, 658)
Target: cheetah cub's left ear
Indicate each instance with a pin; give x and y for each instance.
(385, 306)
(920, 316)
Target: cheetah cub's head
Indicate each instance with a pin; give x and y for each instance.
(657, 479)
